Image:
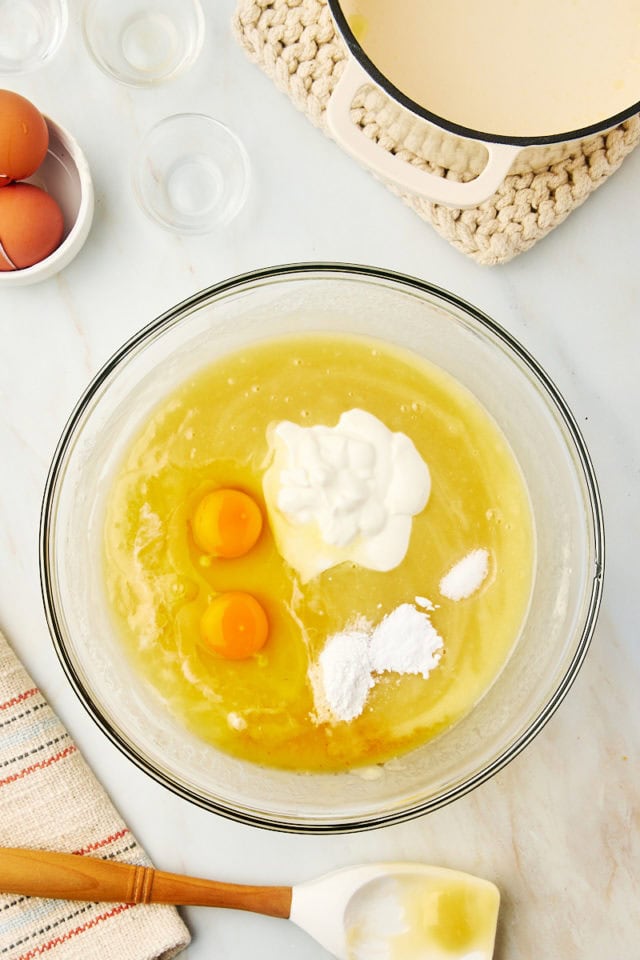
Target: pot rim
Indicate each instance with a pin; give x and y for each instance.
(382, 81)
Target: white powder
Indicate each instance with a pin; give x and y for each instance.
(425, 603)
(346, 673)
(375, 916)
(405, 641)
(466, 576)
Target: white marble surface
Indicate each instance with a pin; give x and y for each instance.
(558, 829)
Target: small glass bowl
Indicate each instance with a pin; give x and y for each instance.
(30, 33)
(142, 42)
(191, 174)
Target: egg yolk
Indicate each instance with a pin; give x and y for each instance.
(226, 523)
(234, 626)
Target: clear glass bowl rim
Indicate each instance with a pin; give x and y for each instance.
(88, 9)
(317, 270)
(175, 119)
(30, 63)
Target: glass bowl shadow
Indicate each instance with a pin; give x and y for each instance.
(515, 390)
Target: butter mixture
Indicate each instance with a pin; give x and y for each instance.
(235, 549)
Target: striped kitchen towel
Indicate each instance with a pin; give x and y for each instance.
(49, 799)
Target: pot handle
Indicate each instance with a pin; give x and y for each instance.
(405, 175)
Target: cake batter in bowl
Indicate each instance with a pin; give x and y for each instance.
(405, 313)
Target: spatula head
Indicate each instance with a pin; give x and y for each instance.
(388, 911)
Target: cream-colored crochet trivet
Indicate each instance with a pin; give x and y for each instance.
(295, 43)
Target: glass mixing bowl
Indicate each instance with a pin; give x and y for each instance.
(543, 435)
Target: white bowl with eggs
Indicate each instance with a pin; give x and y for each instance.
(65, 175)
(430, 323)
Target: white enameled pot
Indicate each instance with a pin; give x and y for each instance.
(582, 94)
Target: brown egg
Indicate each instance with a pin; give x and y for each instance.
(24, 137)
(31, 226)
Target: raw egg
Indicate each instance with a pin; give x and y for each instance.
(234, 626)
(31, 226)
(226, 523)
(24, 137)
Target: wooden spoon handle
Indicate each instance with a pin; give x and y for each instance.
(41, 873)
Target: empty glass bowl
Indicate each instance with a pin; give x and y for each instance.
(30, 33)
(141, 42)
(191, 174)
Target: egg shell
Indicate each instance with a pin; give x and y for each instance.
(24, 137)
(31, 226)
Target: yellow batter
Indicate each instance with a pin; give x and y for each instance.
(211, 432)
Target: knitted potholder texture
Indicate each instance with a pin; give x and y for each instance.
(295, 43)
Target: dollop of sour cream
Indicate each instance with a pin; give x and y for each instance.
(342, 493)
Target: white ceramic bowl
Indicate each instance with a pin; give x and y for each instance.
(65, 174)
(545, 440)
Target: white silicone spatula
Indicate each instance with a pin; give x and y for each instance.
(349, 912)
